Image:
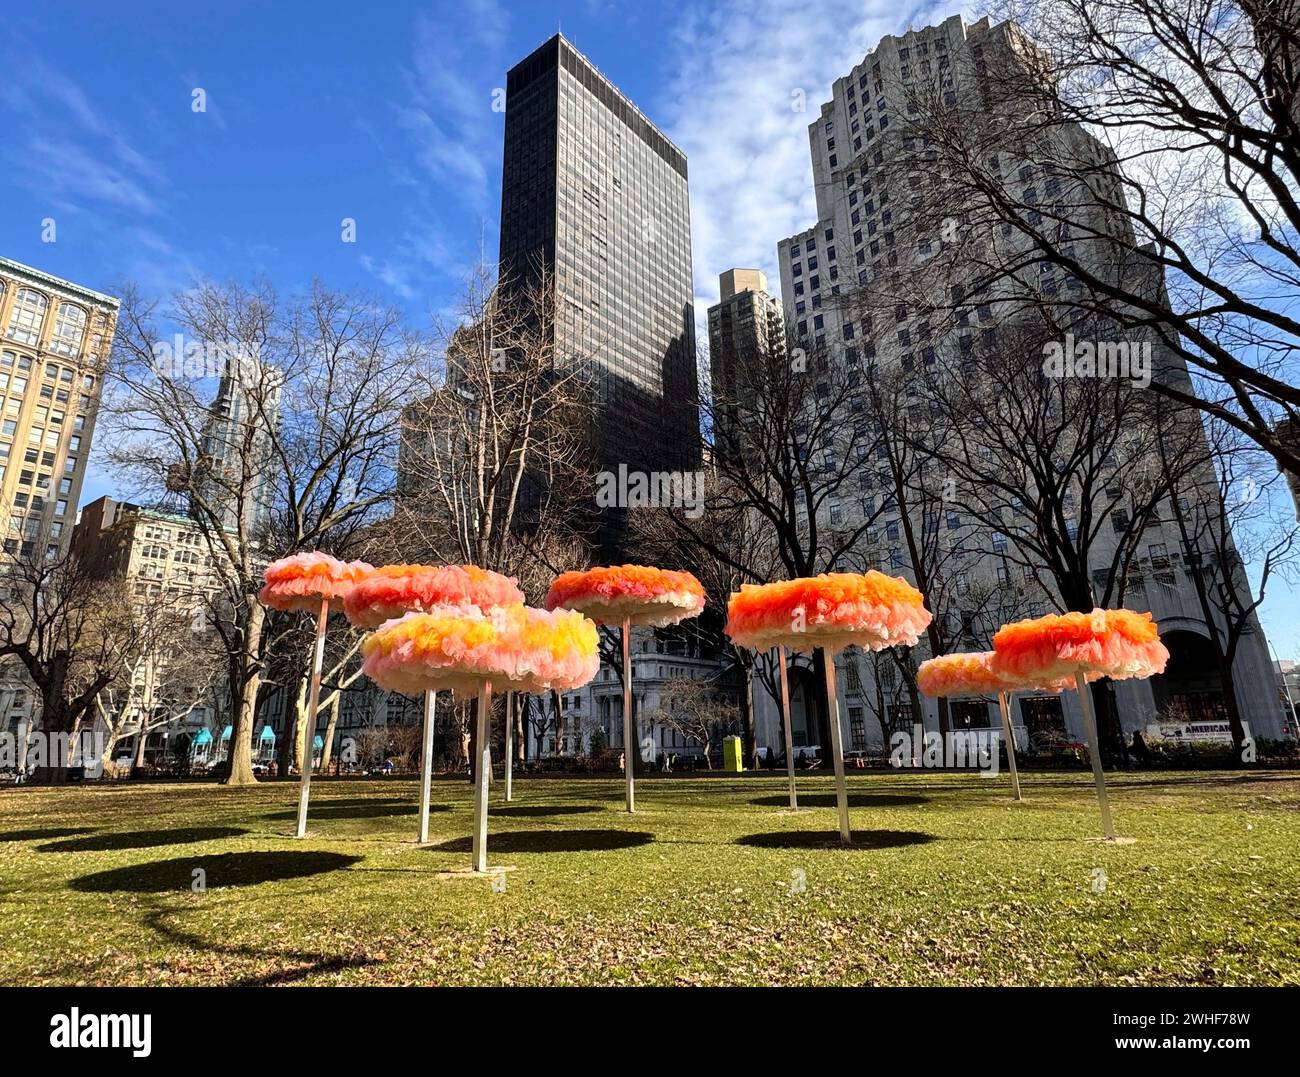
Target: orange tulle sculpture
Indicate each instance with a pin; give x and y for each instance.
(1118, 644)
(300, 582)
(461, 648)
(834, 611)
(395, 590)
(628, 595)
(639, 594)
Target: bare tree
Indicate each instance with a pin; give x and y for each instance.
(1226, 521)
(289, 444)
(70, 632)
(1181, 221)
(168, 674)
(693, 708)
(497, 458)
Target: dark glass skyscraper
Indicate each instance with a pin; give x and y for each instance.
(594, 195)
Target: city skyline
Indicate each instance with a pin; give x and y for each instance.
(144, 208)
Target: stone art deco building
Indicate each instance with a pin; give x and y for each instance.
(54, 340)
(595, 196)
(861, 172)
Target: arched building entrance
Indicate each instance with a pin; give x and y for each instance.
(1190, 687)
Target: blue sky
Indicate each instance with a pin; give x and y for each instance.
(382, 113)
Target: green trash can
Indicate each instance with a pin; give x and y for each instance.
(732, 755)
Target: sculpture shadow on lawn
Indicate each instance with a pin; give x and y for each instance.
(220, 870)
(552, 841)
(356, 809)
(830, 839)
(856, 800)
(46, 833)
(140, 839)
(529, 811)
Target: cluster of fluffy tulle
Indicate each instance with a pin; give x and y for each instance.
(973, 674)
(301, 581)
(637, 593)
(834, 610)
(394, 590)
(1108, 643)
(955, 675)
(462, 647)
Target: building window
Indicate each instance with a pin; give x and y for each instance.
(28, 317)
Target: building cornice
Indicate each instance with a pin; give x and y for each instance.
(29, 275)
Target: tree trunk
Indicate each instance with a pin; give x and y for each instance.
(240, 754)
(331, 727)
(747, 718)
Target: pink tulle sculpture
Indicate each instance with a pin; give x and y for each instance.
(462, 648)
(395, 590)
(300, 582)
(956, 675)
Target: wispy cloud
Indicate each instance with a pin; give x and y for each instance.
(64, 146)
(731, 106)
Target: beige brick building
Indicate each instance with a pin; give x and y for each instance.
(54, 341)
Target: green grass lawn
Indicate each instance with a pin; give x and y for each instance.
(951, 883)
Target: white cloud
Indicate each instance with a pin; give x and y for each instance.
(728, 106)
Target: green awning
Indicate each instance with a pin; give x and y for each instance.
(267, 733)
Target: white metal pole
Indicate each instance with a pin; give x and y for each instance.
(1004, 705)
(309, 736)
(837, 746)
(629, 729)
(1090, 731)
(510, 742)
(789, 736)
(482, 772)
(426, 761)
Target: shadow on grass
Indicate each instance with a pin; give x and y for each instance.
(856, 800)
(830, 839)
(220, 870)
(529, 811)
(552, 841)
(46, 834)
(310, 963)
(140, 839)
(361, 810)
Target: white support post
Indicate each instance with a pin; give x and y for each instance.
(837, 747)
(629, 727)
(1094, 752)
(309, 735)
(510, 745)
(426, 761)
(789, 736)
(482, 773)
(1004, 705)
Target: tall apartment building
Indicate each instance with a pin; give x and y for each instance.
(54, 341)
(746, 321)
(595, 198)
(865, 155)
(237, 447)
